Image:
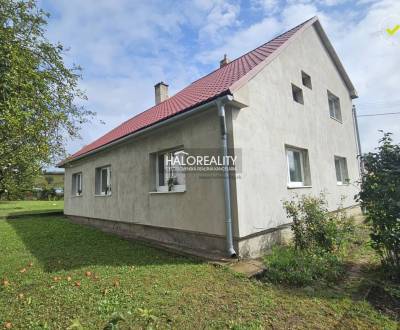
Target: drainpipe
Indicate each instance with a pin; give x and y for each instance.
(227, 189)
(361, 165)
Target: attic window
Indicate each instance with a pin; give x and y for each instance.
(297, 94)
(306, 79)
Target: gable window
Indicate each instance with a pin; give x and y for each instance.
(103, 181)
(297, 93)
(334, 106)
(298, 167)
(342, 176)
(170, 171)
(306, 80)
(77, 184)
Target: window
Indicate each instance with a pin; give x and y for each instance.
(306, 80)
(297, 94)
(170, 171)
(76, 184)
(342, 176)
(103, 181)
(298, 167)
(334, 106)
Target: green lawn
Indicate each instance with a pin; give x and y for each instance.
(13, 208)
(44, 265)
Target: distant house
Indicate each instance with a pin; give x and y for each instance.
(283, 111)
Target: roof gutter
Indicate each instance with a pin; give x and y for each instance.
(223, 98)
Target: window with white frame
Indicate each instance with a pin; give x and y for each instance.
(298, 167)
(77, 184)
(170, 171)
(334, 106)
(342, 176)
(103, 181)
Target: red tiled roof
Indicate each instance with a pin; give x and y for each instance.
(203, 90)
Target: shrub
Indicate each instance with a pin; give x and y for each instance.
(287, 265)
(313, 226)
(380, 196)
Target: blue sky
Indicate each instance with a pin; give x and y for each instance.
(126, 46)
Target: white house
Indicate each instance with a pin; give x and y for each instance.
(284, 113)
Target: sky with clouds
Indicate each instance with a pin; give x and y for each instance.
(127, 46)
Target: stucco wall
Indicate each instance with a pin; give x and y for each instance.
(273, 119)
(200, 208)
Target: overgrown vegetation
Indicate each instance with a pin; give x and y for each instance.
(380, 196)
(318, 248)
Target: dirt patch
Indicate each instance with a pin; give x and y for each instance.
(384, 302)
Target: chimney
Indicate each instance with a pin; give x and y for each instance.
(161, 92)
(224, 61)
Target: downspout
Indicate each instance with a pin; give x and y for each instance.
(227, 189)
(361, 165)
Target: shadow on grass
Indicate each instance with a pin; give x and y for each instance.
(60, 245)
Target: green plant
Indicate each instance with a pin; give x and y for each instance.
(380, 196)
(287, 265)
(313, 226)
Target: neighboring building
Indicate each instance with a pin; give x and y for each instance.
(287, 108)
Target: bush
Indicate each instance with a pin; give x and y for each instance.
(286, 265)
(314, 227)
(380, 196)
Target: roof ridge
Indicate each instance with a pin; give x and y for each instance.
(204, 89)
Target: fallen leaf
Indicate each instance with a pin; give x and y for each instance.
(88, 274)
(21, 296)
(56, 278)
(69, 278)
(105, 291)
(5, 282)
(8, 325)
(30, 264)
(78, 284)
(116, 283)
(23, 270)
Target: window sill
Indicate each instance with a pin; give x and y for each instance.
(342, 184)
(77, 195)
(298, 187)
(166, 192)
(335, 119)
(108, 195)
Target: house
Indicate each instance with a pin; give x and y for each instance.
(282, 112)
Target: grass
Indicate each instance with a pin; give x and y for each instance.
(15, 208)
(55, 274)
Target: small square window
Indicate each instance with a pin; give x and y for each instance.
(76, 184)
(334, 106)
(342, 176)
(170, 171)
(103, 181)
(306, 79)
(297, 94)
(298, 167)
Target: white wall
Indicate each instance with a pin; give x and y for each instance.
(273, 119)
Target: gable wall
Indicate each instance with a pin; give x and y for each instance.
(273, 119)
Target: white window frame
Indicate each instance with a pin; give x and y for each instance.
(343, 170)
(305, 175)
(99, 177)
(164, 188)
(336, 108)
(77, 184)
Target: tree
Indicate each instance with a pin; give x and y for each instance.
(380, 196)
(39, 96)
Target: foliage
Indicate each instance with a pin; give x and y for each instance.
(291, 266)
(380, 196)
(313, 226)
(38, 96)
